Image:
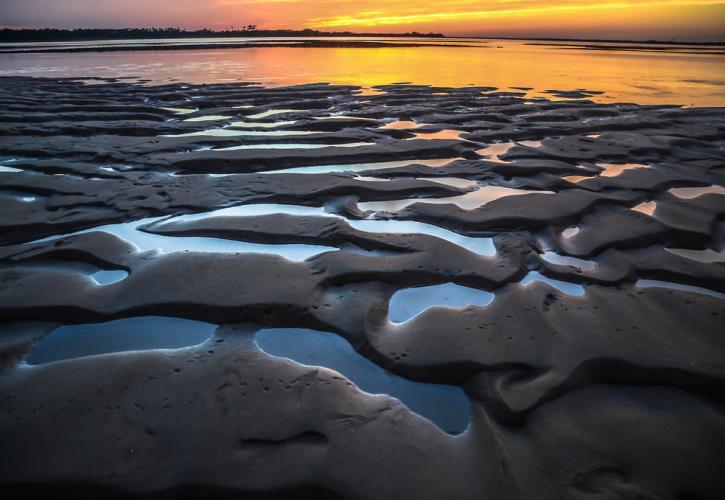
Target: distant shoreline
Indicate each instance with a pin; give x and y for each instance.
(599, 40)
(136, 45)
(8, 35)
(91, 34)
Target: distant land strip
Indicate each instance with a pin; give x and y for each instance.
(603, 40)
(15, 35)
(677, 49)
(8, 35)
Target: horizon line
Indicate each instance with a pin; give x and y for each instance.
(362, 34)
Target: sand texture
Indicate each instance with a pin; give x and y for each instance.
(597, 371)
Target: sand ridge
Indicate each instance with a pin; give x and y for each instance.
(616, 393)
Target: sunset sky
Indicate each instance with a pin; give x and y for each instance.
(636, 19)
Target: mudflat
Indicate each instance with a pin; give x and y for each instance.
(540, 282)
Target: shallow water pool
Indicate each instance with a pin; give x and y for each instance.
(446, 406)
(128, 334)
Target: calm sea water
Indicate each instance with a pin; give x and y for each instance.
(647, 77)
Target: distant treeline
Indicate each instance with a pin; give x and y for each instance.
(82, 34)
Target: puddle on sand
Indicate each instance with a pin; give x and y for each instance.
(706, 256)
(410, 302)
(481, 246)
(616, 169)
(456, 182)
(144, 242)
(20, 196)
(401, 125)
(181, 111)
(678, 286)
(647, 208)
(255, 209)
(226, 132)
(572, 289)
(129, 334)
(563, 260)
(361, 167)
(167, 244)
(446, 406)
(496, 150)
(469, 201)
(282, 145)
(447, 134)
(273, 112)
(576, 178)
(210, 118)
(100, 276)
(105, 277)
(493, 151)
(261, 124)
(688, 193)
(529, 144)
(371, 179)
(217, 132)
(6, 169)
(340, 116)
(274, 133)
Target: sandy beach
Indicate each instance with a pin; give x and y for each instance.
(394, 292)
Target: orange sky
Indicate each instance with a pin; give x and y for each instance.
(662, 19)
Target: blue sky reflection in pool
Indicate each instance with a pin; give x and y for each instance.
(446, 406)
(409, 302)
(128, 334)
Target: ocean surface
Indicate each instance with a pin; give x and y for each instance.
(641, 73)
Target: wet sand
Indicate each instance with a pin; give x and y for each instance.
(537, 280)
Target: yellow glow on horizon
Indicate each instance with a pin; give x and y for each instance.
(664, 19)
(366, 19)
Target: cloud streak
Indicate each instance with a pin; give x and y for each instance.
(462, 10)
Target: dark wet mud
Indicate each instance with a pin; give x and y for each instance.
(555, 266)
